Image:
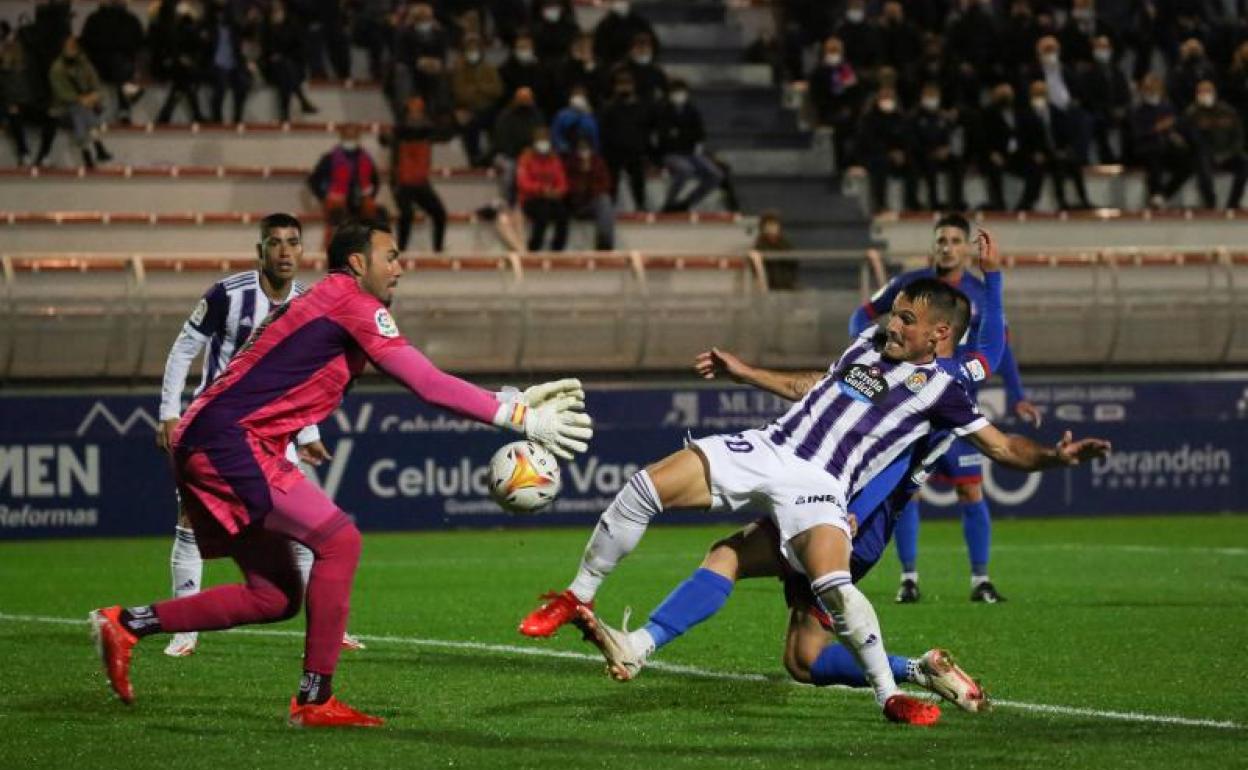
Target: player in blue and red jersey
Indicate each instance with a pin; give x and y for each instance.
(962, 465)
(246, 500)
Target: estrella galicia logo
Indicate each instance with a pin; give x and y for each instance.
(805, 499)
(864, 383)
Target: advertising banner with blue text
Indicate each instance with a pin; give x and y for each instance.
(88, 465)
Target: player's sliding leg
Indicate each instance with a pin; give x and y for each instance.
(701, 595)
(304, 559)
(906, 535)
(618, 531)
(187, 569)
(977, 531)
(823, 551)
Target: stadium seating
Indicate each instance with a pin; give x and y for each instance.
(184, 232)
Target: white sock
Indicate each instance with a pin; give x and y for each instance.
(618, 531)
(977, 579)
(642, 642)
(185, 563)
(911, 576)
(303, 560)
(915, 673)
(858, 629)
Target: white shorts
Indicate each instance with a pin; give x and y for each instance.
(748, 472)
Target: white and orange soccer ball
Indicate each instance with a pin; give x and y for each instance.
(524, 477)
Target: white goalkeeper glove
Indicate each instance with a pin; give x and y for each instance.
(558, 424)
(539, 394)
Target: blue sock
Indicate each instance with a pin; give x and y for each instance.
(693, 601)
(836, 665)
(977, 529)
(907, 536)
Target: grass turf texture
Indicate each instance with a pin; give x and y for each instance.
(1144, 615)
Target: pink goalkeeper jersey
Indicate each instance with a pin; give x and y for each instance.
(311, 349)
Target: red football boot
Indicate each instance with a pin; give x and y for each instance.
(331, 713)
(114, 643)
(910, 710)
(559, 609)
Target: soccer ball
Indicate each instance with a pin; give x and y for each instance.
(524, 477)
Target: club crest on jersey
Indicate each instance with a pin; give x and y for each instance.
(916, 381)
(864, 383)
(385, 324)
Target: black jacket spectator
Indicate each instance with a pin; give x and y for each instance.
(552, 39)
(996, 140)
(614, 35)
(1192, 68)
(1106, 95)
(1047, 141)
(625, 124)
(883, 145)
(677, 131)
(863, 45)
(932, 132)
(112, 38)
(974, 39)
(901, 42)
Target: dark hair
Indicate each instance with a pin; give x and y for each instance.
(352, 237)
(949, 304)
(274, 221)
(954, 220)
(677, 84)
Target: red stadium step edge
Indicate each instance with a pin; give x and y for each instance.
(195, 172)
(14, 218)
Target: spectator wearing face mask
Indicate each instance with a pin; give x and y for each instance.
(835, 95)
(679, 135)
(883, 145)
(574, 122)
(580, 69)
(997, 143)
(1063, 88)
(476, 88)
(626, 124)
(411, 155)
(346, 182)
(1019, 33)
(648, 77)
(616, 31)
(554, 29)
(1046, 146)
(541, 186)
(1217, 137)
(589, 192)
(228, 70)
(513, 131)
(1106, 97)
(1079, 33)
(1158, 143)
(933, 128)
(1193, 67)
(861, 37)
(520, 69)
(76, 100)
(420, 61)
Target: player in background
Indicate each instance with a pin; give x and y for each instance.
(246, 500)
(962, 466)
(810, 654)
(221, 322)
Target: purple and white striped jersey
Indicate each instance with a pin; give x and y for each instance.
(867, 410)
(222, 321)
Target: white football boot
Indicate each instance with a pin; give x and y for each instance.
(938, 673)
(624, 660)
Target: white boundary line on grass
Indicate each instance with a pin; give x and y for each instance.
(509, 649)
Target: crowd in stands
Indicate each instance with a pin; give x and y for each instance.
(562, 113)
(1037, 89)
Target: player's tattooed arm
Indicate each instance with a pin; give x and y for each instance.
(1025, 454)
(715, 363)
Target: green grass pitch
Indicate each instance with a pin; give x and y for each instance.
(1122, 645)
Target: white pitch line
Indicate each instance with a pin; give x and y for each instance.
(672, 668)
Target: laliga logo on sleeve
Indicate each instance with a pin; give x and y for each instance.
(385, 324)
(201, 310)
